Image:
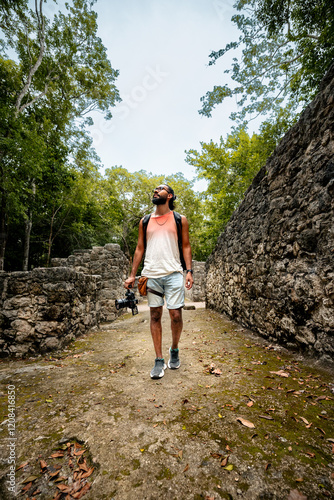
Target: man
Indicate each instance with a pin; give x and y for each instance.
(159, 238)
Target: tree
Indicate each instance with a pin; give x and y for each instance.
(287, 46)
(134, 192)
(229, 167)
(61, 74)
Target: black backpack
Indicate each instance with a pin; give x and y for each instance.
(178, 221)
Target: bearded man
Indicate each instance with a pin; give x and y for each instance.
(164, 238)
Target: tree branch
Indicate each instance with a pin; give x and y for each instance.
(34, 68)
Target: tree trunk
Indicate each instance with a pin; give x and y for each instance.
(3, 230)
(26, 248)
(27, 232)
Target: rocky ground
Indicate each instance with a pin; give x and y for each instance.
(241, 419)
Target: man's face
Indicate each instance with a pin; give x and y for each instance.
(160, 195)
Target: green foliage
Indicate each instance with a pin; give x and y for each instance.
(134, 192)
(287, 46)
(61, 72)
(229, 167)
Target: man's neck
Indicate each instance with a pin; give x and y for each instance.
(162, 209)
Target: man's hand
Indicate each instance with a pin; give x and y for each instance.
(189, 281)
(129, 283)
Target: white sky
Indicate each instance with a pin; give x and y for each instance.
(161, 48)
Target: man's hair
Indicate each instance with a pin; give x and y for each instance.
(171, 201)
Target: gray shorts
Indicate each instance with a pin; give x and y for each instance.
(172, 286)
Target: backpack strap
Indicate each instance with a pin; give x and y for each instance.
(146, 219)
(178, 220)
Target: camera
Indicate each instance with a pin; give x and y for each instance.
(130, 301)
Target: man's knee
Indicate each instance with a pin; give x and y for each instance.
(176, 315)
(156, 313)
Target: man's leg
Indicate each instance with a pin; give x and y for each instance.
(156, 329)
(176, 326)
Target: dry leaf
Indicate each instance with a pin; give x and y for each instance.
(79, 453)
(186, 468)
(281, 373)
(224, 461)
(22, 465)
(88, 473)
(43, 464)
(58, 454)
(27, 487)
(64, 488)
(305, 421)
(245, 422)
(266, 417)
(296, 495)
(54, 474)
(250, 403)
(30, 479)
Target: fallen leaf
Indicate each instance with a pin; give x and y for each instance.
(267, 466)
(22, 465)
(43, 464)
(82, 492)
(30, 479)
(228, 467)
(312, 455)
(27, 487)
(216, 455)
(245, 422)
(281, 373)
(267, 417)
(296, 495)
(305, 421)
(220, 416)
(250, 403)
(64, 488)
(224, 462)
(79, 453)
(58, 454)
(54, 474)
(186, 468)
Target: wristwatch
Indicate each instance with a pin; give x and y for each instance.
(190, 271)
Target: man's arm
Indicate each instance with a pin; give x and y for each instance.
(186, 248)
(137, 258)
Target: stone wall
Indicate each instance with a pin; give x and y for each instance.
(111, 264)
(45, 309)
(197, 292)
(273, 267)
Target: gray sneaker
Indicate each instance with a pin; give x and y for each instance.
(174, 360)
(159, 368)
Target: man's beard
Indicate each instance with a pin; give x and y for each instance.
(159, 200)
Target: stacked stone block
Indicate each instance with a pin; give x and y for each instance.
(45, 309)
(273, 267)
(110, 263)
(197, 292)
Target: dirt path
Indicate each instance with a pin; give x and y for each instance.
(178, 438)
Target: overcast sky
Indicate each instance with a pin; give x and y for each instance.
(161, 49)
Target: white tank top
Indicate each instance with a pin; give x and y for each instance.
(162, 256)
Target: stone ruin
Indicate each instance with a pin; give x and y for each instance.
(273, 267)
(44, 309)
